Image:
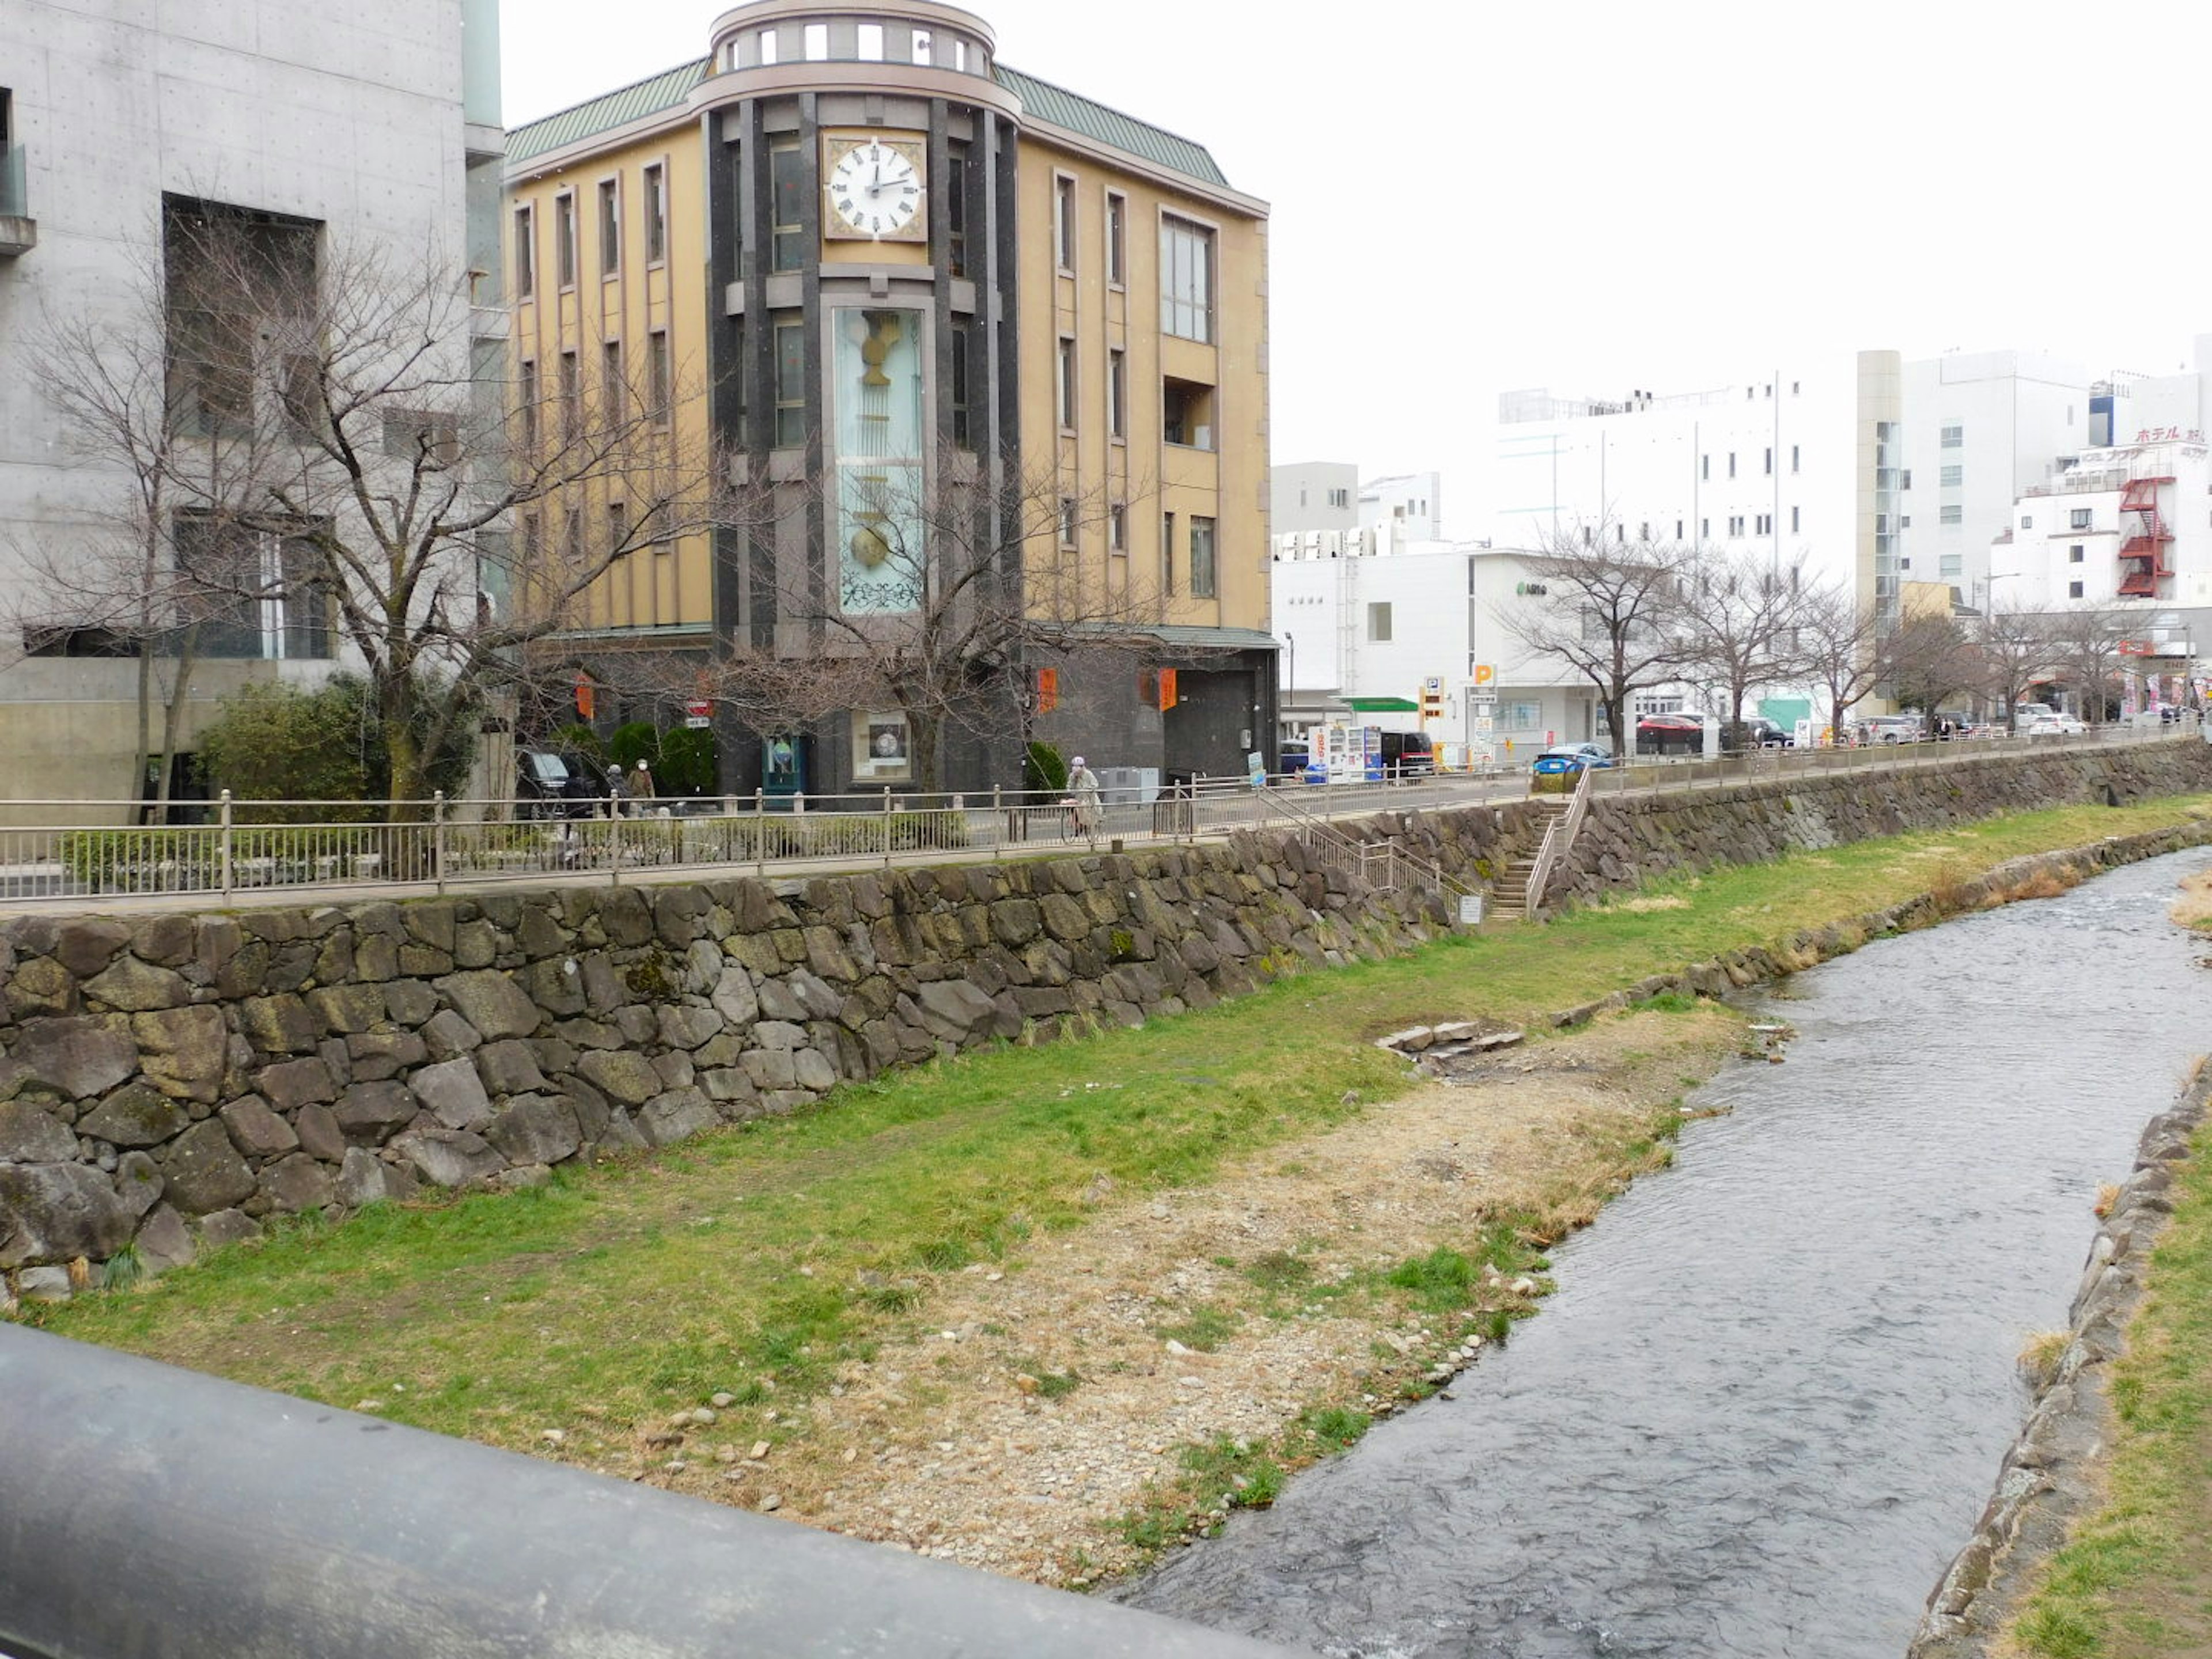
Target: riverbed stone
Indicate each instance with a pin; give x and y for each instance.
(30, 1134)
(492, 1003)
(452, 1092)
(956, 1010)
(228, 1227)
(376, 1055)
(291, 1083)
(410, 1003)
(688, 1028)
(347, 1008)
(164, 1242)
(137, 1114)
(296, 1184)
(360, 1180)
(511, 1067)
(86, 946)
(204, 1172)
(279, 1024)
(447, 1035)
(56, 1211)
(256, 1131)
(320, 1137)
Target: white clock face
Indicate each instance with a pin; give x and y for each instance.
(874, 188)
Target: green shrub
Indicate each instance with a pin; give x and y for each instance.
(1044, 770)
(276, 742)
(640, 740)
(690, 762)
(580, 739)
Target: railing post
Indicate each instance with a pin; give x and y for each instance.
(1001, 830)
(223, 849)
(760, 832)
(887, 826)
(438, 839)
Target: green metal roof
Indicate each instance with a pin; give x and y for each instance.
(608, 111)
(1110, 127)
(1383, 705)
(1048, 102)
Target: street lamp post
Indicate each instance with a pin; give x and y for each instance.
(1290, 671)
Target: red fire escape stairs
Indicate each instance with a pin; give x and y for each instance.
(2143, 536)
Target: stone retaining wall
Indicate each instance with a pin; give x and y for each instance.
(167, 1079)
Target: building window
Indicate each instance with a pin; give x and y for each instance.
(1201, 558)
(610, 228)
(1952, 514)
(1678, 530)
(1063, 222)
(255, 594)
(1117, 528)
(526, 254)
(656, 215)
(525, 394)
(1187, 413)
(618, 529)
(1117, 393)
(661, 389)
(613, 400)
(1731, 458)
(787, 170)
(869, 43)
(814, 40)
(1705, 469)
(790, 384)
(1339, 498)
(2074, 553)
(1187, 281)
(1735, 524)
(2073, 590)
(572, 398)
(1070, 521)
(2026, 522)
(565, 240)
(963, 428)
(1765, 525)
(767, 48)
(1951, 477)
(2080, 518)
(953, 192)
(1769, 463)
(1793, 449)
(1378, 622)
(1954, 437)
(1704, 530)
(1794, 526)
(1167, 554)
(1117, 238)
(921, 46)
(1064, 385)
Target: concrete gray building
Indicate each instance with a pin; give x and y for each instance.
(351, 127)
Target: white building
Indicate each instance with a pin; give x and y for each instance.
(1306, 495)
(1367, 624)
(1864, 469)
(1413, 501)
(359, 128)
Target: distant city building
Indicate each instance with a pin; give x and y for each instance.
(1314, 495)
(314, 133)
(1412, 502)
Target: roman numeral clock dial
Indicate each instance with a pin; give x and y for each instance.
(875, 191)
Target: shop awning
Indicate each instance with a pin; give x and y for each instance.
(1383, 705)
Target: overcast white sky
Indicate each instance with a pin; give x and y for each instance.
(1610, 195)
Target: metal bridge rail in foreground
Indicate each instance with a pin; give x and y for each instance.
(152, 1513)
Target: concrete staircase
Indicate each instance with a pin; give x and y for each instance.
(1510, 896)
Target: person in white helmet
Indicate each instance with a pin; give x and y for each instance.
(1083, 788)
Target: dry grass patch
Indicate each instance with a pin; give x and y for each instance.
(2194, 908)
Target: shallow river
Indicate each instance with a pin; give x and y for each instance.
(1768, 1400)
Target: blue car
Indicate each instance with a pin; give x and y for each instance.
(1573, 757)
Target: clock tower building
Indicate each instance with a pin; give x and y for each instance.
(967, 346)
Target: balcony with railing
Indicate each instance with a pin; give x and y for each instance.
(19, 230)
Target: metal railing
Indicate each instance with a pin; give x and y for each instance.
(52, 850)
(154, 1512)
(1559, 841)
(1381, 863)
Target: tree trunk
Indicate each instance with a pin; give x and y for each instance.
(924, 731)
(145, 729)
(172, 715)
(410, 786)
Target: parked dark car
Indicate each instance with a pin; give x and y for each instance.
(1670, 734)
(1755, 733)
(1407, 755)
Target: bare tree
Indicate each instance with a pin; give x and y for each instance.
(1927, 660)
(1611, 614)
(1738, 625)
(944, 587)
(375, 482)
(2015, 649)
(2085, 653)
(1836, 645)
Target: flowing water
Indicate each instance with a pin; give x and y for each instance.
(1768, 1400)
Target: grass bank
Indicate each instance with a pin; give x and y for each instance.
(756, 1269)
(2134, 1580)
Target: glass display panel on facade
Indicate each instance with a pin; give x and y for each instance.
(876, 406)
(790, 385)
(1187, 279)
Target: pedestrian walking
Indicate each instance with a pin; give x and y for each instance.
(642, 787)
(1083, 787)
